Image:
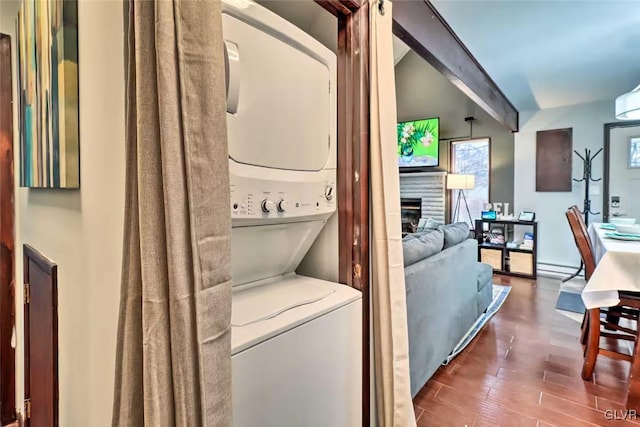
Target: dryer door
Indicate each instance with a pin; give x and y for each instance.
(279, 101)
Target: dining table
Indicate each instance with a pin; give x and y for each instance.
(617, 270)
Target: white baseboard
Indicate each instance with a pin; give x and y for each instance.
(557, 270)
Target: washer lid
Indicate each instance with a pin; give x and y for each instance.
(263, 311)
(279, 102)
(266, 302)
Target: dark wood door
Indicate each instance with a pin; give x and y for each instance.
(7, 310)
(554, 150)
(41, 340)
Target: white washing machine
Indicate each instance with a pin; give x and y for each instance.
(296, 341)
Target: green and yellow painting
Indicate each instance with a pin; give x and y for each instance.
(47, 51)
(418, 142)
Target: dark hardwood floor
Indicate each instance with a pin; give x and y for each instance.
(523, 369)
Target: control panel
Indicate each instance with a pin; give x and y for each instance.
(259, 198)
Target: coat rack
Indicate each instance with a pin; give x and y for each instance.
(587, 161)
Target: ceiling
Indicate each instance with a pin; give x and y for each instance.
(546, 54)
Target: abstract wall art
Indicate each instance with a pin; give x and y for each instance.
(47, 53)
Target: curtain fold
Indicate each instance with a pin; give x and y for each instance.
(173, 365)
(390, 335)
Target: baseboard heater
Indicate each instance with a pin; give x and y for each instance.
(557, 270)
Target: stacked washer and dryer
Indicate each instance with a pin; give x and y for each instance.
(296, 340)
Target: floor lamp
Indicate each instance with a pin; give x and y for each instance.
(461, 183)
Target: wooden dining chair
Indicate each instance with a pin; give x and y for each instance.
(578, 229)
(583, 226)
(592, 323)
(581, 237)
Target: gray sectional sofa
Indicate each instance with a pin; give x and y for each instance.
(447, 290)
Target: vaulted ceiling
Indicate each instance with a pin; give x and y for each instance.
(545, 54)
(541, 53)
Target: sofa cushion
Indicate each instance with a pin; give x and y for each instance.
(427, 224)
(418, 246)
(455, 233)
(485, 275)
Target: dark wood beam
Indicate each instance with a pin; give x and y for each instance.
(7, 305)
(335, 7)
(424, 30)
(341, 7)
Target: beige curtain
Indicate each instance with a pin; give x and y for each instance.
(390, 336)
(173, 364)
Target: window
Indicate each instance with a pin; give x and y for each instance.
(472, 158)
(634, 152)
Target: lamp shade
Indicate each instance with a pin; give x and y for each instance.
(628, 105)
(460, 182)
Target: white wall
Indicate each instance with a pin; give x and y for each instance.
(309, 16)
(624, 181)
(555, 242)
(325, 29)
(81, 230)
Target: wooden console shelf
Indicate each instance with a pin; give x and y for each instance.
(513, 261)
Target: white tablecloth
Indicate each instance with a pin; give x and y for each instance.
(617, 269)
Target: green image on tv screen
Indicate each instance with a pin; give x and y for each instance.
(418, 143)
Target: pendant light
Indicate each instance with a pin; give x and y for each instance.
(628, 105)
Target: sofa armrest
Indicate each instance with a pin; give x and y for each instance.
(441, 307)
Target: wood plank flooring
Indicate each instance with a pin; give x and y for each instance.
(523, 369)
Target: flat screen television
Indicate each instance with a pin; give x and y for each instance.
(418, 143)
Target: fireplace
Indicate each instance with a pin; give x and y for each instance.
(410, 213)
(429, 187)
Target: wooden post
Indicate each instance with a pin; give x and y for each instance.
(353, 162)
(353, 171)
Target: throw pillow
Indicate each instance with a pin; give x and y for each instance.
(418, 246)
(432, 224)
(455, 233)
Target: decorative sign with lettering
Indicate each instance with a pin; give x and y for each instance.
(499, 207)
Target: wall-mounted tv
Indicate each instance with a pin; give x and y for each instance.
(418, 143)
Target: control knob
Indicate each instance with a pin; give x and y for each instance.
(328, 192)
(267, 206)
(282, 205)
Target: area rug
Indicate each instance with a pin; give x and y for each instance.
(500, 293)
(569, 302)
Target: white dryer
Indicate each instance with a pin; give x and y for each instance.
(296, 341)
